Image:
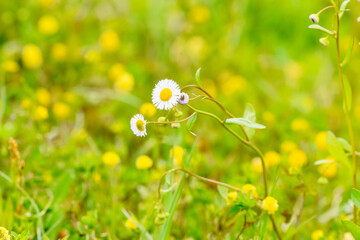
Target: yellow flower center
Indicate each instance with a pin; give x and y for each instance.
(165, 94)
(140, 125)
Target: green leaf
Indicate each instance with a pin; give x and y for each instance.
(249, 114)
(343, 7)
(348, 95)
(244, 122)
(263, 226)
(190, 123)
(320, 28)
(353, 228)
(348, 53)
(335, 148)
(165, 229)
(355, 197)
(197, 77)
(223, 191)
(345, 144)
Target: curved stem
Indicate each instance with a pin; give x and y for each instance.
(325, 8)
(346, 110)
(208, 180)
(170, 122)
(275, 227)
(243, 228)
(211, 98)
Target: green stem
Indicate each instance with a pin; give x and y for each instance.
(170, 122)
(346, 110)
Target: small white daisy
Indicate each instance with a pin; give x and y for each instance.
(165, 94)
(138, 125)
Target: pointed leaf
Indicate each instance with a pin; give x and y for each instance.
(223, 191)
(320, 28)
(249, 114)
(345, 144)
(343, 8)
(353, 228)
(197, 77)
(335, 148)
(244, 122)
(190, 123)
(355, 197)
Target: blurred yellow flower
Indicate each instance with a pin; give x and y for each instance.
(317, 234)
(31, 56)
(129, 223)
(230, 83)
(47, 177)
(116, 70)
(288, 146)
(148, 110)
(250, 188)
(270, 205)
(4, 234)
(271, 158)
(320, 141)
(92, 56)
(25, 103)
(11, 66)
(109, 41)
(48, 25)
(256, 165)
(197, 47)
(40, 113)
(97, 178)
(47, 3)
(59, 51)
(125, 82)
(111, 159)
(231, 198)
(299, 124)
(61, 110)
(177, 154)
(199, 14)
(116, 127)
(269, 118)
(43, 96)
(144, 162)
(297, 158)
(329, 169)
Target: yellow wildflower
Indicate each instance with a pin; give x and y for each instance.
(40, 113)
(199, 14)
(256, 165)
(317, 235)
(31, 56)
(271, 158)
(297, 158)
(177, 154)
(48, 25)
(111, 159)
(288, 146)
(25, 103)
(230, 83)
(269, 118)
(299, 124)
(92, 56)
(11, 66)
(129, 224)
(43, 96)
(250, 188)
(231, 197)
(97, 178)
(270, 205)
(116, 70)
(125, 82)
(59, 51)
(109, 41)
(4, 234)
(148, 110)
(144, 162)
(61, 110)
(47, 177)
(329, 169)
(320, 141)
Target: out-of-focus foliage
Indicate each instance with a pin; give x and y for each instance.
(74, 72)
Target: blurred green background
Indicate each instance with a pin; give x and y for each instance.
(74, 72)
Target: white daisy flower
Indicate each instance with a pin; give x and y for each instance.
(165, 94)
(138, 125)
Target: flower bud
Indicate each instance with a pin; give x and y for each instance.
(175, 125)
(161, 119)
(314, 18)
(178, 113)
(324, 41)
